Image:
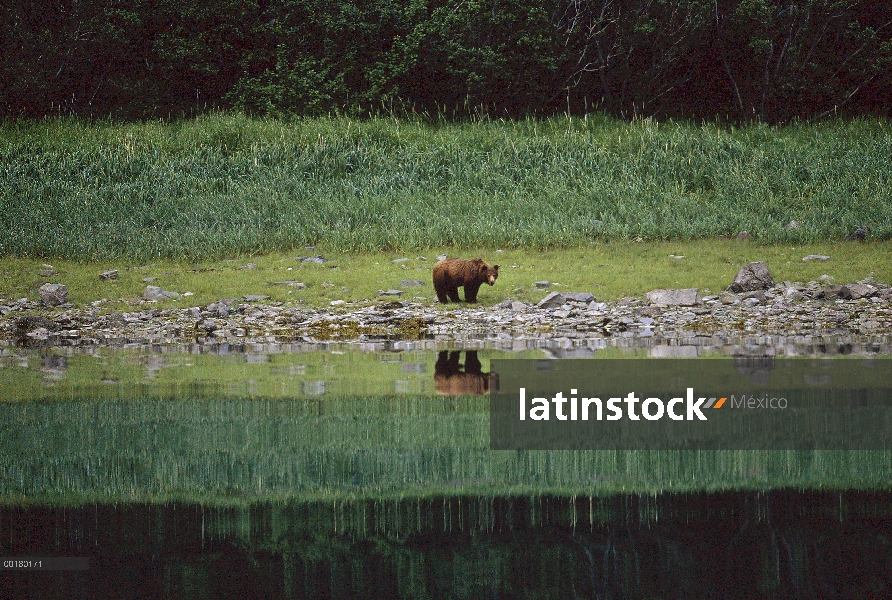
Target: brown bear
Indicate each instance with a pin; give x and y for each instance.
(453, 273)
(451, 379)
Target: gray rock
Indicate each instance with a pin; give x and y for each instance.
(853, 291)
(683, 297)
(583, 297)
(248, 266)
(519, 306)
(47, 273)
(759, 295)
(220, 309)
(442, 256)
(411, 283)
(255, 297)
(754, 276)
(38, 334)
(744, 235)
(153, 292)
(825, 278)
(792, 293)
(318, 260)
(210, 325)
(149, 279)
(113, 274)
(819, 257)
(555, 299)
(831, 292)
(401, 260)
(542, 284)
(53, 294)
(794, 224)
(389, 292)
(752, 301)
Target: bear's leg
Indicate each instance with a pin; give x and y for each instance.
(453, 294)
(440, 288)
(471, 292)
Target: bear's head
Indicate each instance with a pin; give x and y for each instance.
(489, 273)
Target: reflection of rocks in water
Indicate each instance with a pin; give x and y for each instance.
(582, 352)
(673, 352)
(757, 368)
(153, 363)
(313, 388)
(50, 363)
(454, 379)
(53, 366)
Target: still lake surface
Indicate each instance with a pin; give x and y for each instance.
(364, 471)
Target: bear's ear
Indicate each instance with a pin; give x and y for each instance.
(496, 267)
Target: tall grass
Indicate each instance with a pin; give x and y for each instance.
(226, 184)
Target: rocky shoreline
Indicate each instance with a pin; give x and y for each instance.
(787, 309)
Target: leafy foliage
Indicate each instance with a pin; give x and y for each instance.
(767, 60)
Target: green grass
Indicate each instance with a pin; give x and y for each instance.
(225, 185)
(608, 270)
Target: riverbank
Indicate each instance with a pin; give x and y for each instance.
(787, 309)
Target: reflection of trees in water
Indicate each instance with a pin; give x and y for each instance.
(451, 378)
(733, 545)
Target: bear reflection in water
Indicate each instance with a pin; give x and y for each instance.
(453, 379)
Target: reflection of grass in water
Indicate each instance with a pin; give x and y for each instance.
(608, 270)
(384, 446)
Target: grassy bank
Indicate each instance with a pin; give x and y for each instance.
(608, 270)
(226, 185)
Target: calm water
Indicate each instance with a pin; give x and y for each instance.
(293, 471)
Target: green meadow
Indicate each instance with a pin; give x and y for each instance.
(226, 186)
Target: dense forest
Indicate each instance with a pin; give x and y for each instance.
(766, 60)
